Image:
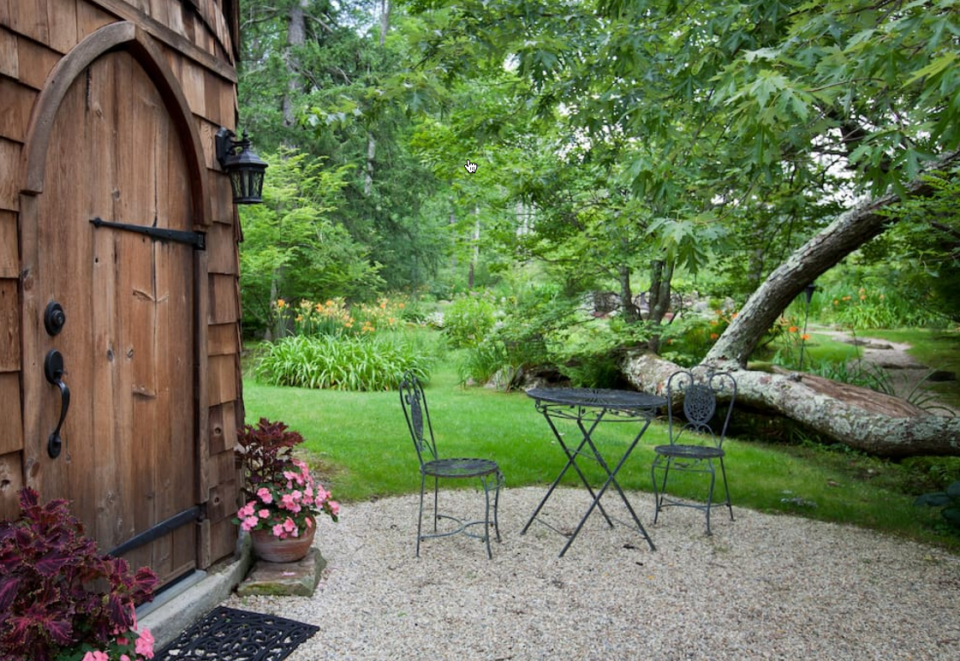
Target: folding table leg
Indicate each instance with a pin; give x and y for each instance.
(571, 461)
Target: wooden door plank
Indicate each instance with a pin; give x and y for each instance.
(140, 147)
(11, 434)
(69, 245)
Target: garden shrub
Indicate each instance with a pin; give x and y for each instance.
(342, 363)
(468, 320)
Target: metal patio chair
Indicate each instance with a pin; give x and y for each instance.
(414, 404)
(696, 439)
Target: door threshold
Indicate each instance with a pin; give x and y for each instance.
(170, 591)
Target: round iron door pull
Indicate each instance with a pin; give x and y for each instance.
(54, 318)
(53, 369)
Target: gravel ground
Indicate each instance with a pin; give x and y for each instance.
(762, 587)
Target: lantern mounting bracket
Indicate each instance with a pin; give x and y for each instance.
(226, 145)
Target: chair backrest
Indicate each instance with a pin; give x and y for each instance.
(708, 400)
(414, 404)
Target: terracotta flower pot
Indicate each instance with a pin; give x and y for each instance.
(272, 549)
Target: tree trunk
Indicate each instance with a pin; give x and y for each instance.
(631, 314)
(475, 254)
(371, 141)
(857, 417)
(860, 418)
(661, 273)
(371, 158)
(384, 20)
(296, 36)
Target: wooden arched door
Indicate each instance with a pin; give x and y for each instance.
(129, 455)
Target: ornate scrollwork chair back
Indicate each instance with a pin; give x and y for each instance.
(696, 436)
(417, 414)
(418, 419)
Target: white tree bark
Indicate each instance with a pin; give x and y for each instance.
(860, 418)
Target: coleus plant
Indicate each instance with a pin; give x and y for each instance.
(56, 591)
(264, 452)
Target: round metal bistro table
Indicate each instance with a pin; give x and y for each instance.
(587, 408)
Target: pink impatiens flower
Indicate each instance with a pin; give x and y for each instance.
(96, 656)
(246, 510)
(334, 507)
(290, 501)
(250, 523)
(144, 645)
(278, 531)
(265, 495)
(264, 514)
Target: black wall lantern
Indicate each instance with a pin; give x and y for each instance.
(243, 165)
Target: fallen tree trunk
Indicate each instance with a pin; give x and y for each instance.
(857, 417)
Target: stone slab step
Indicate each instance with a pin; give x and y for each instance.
(284, 578)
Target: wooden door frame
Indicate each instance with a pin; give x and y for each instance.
(128, 37)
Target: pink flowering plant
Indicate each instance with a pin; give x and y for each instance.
(281, 494)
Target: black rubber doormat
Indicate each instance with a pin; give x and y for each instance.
(227, 634)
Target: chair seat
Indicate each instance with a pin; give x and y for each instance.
(689, 451)
(460, 467)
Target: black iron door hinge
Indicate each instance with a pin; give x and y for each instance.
(195, 239)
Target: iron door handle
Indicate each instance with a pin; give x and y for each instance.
(53, 369)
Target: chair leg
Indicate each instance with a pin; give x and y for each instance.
(486, 516)
(659, 497)
(436, 509)
(423, 484)
(496, 505)
(713, 480)
(726, 488)
(656, 494)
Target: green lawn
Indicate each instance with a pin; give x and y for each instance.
(360, 443)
